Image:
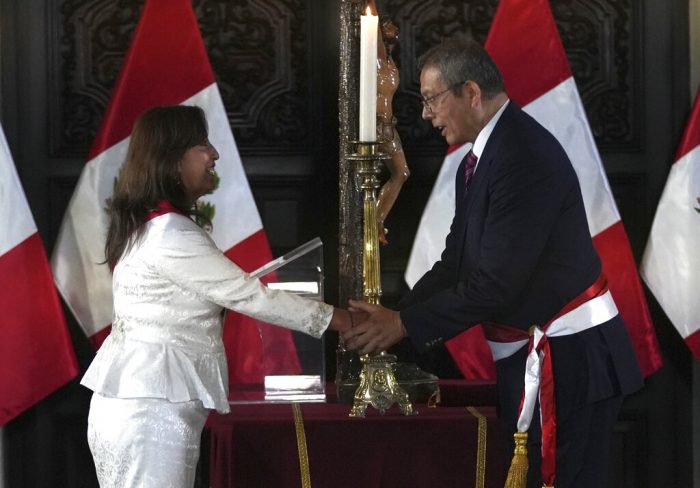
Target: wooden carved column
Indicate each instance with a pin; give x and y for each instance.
(350, 205)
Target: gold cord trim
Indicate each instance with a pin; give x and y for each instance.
(481, 448)
(301, 446)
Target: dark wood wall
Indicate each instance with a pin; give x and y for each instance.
(277, 68)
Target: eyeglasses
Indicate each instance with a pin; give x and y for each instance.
(430, 101)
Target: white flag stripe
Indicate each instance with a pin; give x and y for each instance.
(86, 285)
(15, 215)
(436, 220)
(561, 112)
(238, 199)
(671, 262)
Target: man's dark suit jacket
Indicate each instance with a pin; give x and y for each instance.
(518, 250)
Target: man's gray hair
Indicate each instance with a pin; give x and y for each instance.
(459, 60)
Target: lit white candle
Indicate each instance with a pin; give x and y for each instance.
(368, 77)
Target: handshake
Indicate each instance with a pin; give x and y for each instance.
(367, 328)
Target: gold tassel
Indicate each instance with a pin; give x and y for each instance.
(517, 474)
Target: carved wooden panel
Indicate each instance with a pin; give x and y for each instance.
(258, 49)
(90, 39)
(601, 39)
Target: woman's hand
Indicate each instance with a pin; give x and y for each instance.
(344, 320)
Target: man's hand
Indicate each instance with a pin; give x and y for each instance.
(382, 329)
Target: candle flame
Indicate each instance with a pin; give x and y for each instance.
(369, 12)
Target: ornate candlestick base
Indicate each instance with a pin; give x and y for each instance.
(378, 386)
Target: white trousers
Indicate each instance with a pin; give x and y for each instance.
(145, 442)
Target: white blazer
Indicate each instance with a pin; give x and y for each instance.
(170, 289)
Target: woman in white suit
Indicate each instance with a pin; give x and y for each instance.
(163, 367)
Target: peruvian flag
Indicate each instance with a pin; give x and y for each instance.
(671, 262)
(537, 76)
(167, 64)
(36, 353)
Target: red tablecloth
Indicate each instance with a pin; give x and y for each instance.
(256, 446)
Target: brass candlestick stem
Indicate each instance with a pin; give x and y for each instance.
(378, 386)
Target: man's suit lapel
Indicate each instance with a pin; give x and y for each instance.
(472, 201)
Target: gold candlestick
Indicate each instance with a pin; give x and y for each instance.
(378, 386)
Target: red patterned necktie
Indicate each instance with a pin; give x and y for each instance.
(469, 169)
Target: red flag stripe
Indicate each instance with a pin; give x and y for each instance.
(693, 342)
(452, 148)
(248, 362)
(691, 136)
(472, 354)
(166, 40)
(35, 348)
(539, 62)
(99, 337)
(626, 288)
(252, 252)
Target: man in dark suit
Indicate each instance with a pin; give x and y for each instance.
(518, 257)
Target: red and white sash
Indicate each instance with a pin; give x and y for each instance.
(591, 308)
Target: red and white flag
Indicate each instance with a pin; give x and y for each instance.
(671, 262)
(537, 76)
(166, 64)
(36, 352)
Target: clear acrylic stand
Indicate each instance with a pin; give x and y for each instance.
(301, 272)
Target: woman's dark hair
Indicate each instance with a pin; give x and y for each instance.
(151, 173)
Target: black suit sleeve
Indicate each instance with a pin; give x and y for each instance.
(509, 222)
